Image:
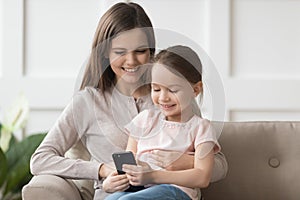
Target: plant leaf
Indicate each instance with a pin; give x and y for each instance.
(17, 114)
(18, 158)
(3, 167)
(13, 196)
(5, 139)
(12, 141)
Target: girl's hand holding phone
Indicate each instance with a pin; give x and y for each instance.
(140, 174)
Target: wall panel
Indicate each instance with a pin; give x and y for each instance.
(58, 36)
(255, 45)
(184, 17)
(266, 40)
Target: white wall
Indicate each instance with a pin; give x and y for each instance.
(253, 43)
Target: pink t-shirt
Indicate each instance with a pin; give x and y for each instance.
(153, 132)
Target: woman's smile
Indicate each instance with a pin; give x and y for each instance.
(130, 70)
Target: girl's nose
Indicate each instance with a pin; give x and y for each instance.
(164, 96)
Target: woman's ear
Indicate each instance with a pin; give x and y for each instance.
(197, 87)
(107, 51)
(106, 54)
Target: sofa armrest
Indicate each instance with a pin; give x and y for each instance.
(50, 187)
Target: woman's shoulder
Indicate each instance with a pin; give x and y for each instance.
(90, 93)
(87, 98)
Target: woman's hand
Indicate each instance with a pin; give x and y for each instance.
(105, 170)
(138, 174)
(172, 160)
(115, 182)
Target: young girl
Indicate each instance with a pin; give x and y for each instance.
(109, 97)
(174, 126)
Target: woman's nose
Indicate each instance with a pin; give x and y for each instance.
(131, 58)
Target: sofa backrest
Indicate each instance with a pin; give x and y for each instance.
(263, 160)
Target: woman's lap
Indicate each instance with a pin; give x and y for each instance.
(163, 192)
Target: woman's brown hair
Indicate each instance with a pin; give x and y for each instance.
(119, 18)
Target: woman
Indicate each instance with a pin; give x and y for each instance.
(111, 94)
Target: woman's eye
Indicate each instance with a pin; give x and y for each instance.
(119, 52)
(155, 90)
(141, 51)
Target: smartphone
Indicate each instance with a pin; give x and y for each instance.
(126, 157)
(121, 158)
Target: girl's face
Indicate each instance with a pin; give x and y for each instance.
(128, 52)
(173, 94)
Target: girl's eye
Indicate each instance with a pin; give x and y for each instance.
(173, 91)
(155, 90)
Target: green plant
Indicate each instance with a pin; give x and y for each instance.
(15, 155)
(14, 167)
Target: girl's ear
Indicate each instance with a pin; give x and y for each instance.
(197, 87)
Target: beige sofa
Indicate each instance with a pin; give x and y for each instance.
(263, 158)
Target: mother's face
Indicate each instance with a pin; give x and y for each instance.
(128, 53)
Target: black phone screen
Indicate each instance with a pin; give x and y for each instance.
(121, 158)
